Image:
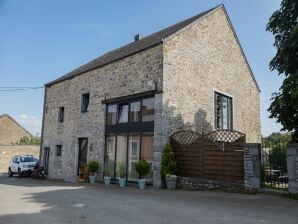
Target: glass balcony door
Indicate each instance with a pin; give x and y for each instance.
(133, 156)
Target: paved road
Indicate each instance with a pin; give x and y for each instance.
(30, 201)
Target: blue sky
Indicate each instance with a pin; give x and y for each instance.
(42, 40)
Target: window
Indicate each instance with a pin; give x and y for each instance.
(123, 113)
(58, 150)
(135, 111)
(112, 114)
(123, 151)
(27, 159)
(121, 155)
(110, 154)
(133, 156)
(223, 111)
(85, 103)
(134, 149)
(61, 115)
(148, 109)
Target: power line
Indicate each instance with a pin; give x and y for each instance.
(25, 87)
(12, 89)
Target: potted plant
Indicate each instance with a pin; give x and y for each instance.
(107, 174)
(142, 168)
(169, 167)
(122, 174)
(93, 168)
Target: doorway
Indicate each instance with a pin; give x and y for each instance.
(83, 151)
(46, 160)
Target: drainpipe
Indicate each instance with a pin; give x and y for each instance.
(43, 114)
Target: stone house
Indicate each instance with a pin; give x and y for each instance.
(11, 131)
(124, 105)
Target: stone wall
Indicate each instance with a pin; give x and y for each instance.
(252, 166)
(205, 57)
(292, 163)
(188, 183)
(133, 74)
(6, 152)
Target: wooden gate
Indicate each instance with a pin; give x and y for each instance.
(217, 155)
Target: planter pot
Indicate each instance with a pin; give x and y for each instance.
(122, 182)
(171, 183)
(142, 184)
(107, 180)
(92, 179)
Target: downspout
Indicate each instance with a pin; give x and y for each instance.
(42, 127)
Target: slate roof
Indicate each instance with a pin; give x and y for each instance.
(129, 49)
(142, 44)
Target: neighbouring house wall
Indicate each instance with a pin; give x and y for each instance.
(124, 77)
(203, 58)
(7, 151)
(10, 132)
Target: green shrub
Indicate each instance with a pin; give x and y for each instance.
(122, 170)
(108, 167)
(168, 161)
(93, 166)
(142, 167)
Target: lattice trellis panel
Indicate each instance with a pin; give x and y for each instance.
(224, 136)
(185, 137)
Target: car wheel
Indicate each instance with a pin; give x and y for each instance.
(10, 174)
(19, 173)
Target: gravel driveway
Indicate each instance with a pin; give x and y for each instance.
(30, 201)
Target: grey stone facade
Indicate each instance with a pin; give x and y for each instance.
(292, 163)
(189, 66)
(252, 166)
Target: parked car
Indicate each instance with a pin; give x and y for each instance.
(21, 165)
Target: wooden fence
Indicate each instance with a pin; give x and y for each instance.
(217, 155)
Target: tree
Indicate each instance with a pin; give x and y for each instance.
(278, 157)
(168, 161)
(25, 140)
(284, 26)
(278, 137)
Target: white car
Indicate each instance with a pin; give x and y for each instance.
(21, 165)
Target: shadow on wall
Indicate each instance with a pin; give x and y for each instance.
(175, 121)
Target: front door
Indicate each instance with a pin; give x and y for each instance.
(46, 160)
(83, 150)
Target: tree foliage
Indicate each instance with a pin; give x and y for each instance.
(278, 157)
(278, 137)
(25, 140)
(284, 105)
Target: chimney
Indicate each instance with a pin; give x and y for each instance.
(138, 37)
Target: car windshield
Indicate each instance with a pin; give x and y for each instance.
(26, 159)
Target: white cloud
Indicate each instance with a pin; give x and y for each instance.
(31, 123)
(24, 116)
